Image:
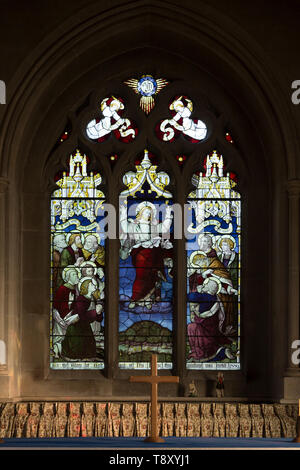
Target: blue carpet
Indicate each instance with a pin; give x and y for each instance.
(138, 443)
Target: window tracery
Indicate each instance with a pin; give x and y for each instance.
(146, 264)
(77, 269)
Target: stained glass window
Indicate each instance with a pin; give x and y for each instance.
(146, 249)
(77, 269)
(213, 269)
(146, 267)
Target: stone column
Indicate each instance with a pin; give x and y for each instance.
(3, 310)
(293, 188)
(112, 294)
(179, 295)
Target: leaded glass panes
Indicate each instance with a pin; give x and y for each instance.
(181, 122)
(147, 86)
(213, 269)
(146, 268)
(111, 121)
(146, 255)
(77, 269)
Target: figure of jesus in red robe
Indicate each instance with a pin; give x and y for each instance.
(150, 253)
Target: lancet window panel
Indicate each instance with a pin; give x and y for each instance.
(146, 268)
(213, 253)
(77, 268)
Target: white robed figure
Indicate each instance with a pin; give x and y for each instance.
(144, 238)
(111, 121)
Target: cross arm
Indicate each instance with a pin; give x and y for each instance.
(167, 379)
(156, 379)
(141, 378)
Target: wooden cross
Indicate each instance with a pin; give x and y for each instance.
(154, 380)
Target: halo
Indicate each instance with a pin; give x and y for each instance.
(172, 105)
(207, 234)
(111, 99)
(59, 233)
(114, 99)
(91, 279)
(95, 234)
(226, 236)
(67, 269)
(144, 204)
(68, 235)
(215, 279)
(89, 264)
(180, 99)
(196, 253)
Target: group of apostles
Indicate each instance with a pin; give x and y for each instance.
(212, 297)
(78, 295)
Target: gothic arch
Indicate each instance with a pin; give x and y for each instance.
(59, 76)
(209, 32)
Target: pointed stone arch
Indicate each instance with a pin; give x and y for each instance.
(217, 55)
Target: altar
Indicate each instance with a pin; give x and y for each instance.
(189, 418)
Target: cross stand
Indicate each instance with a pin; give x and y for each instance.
(154, 380)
